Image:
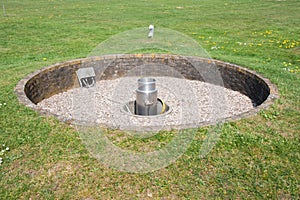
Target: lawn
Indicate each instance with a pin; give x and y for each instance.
(254, 158)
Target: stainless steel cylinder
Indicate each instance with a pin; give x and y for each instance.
(146, 97)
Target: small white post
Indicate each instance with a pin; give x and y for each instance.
(4, 13)
(151, 31)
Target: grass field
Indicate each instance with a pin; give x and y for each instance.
(255, 158)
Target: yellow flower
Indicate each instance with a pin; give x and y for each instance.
(285, 41)
(268, 32)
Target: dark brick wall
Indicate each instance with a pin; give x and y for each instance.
(62, 77)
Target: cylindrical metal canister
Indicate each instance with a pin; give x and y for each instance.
(146, 97)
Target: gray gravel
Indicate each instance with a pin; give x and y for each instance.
(192, 103)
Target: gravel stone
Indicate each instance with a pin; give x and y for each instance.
(192, 104)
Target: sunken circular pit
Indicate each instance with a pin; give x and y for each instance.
(192, 91)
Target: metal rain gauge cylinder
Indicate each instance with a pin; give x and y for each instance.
(146, 97)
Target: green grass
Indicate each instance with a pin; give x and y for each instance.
(256, 158)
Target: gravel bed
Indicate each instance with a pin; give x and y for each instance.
(192, 103)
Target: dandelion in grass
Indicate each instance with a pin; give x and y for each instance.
(268, 32)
